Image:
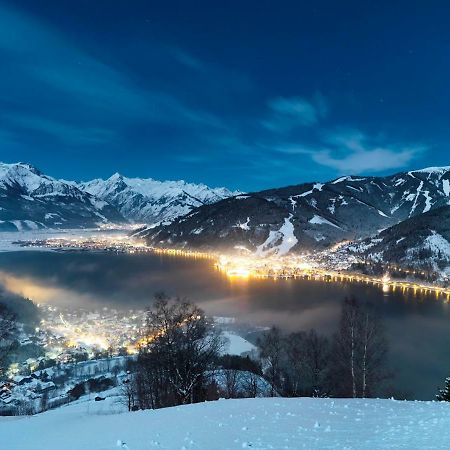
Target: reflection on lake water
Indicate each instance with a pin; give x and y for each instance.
(418, 325)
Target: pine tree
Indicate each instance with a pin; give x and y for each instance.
(444, 394)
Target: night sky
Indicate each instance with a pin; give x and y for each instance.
(246, 94)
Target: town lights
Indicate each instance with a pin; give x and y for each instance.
(329, 265)
(239, 272)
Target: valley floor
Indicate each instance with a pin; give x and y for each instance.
(276, 423)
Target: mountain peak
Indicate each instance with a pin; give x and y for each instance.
(19, 165)
(116, 177)
(32, 200)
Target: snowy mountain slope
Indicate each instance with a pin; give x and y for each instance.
(311, 215)
(31, 200)
(150, 201)
(271, 423)
(422, 241)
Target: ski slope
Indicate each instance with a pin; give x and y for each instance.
(235, 424)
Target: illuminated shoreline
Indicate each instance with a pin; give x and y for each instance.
(329, 276)
(262, 269)
(294, 267)
(246, 266)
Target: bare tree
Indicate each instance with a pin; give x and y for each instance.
(374, 350)
(359, 351)
(109, 353)
(232, 382)
(250, 384)
(316, 363)
(271, 347)
(242, 376)
(306, 364)
(178, 350)
(44, 402)
(128, 391)
(295, 364)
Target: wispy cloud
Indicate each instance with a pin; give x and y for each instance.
(188, 60)
(54, 92)
(287, 113)
(355, 152)
(60, 89)
(371, 160)
(65, 132)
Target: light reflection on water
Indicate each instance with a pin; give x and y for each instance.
(418, 324)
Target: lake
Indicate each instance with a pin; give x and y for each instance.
(418, 325)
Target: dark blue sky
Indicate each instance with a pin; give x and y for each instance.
(247, 94)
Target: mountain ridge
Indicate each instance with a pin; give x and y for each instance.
(30, 199)
(149, 200)
(309, 215)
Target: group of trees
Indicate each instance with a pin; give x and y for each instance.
(8, 331)
(444, 394)
(14, 309)
(181, 354)
(350, 364)
(181, 351)
(180, 358)
(237, 377)
(296, 364)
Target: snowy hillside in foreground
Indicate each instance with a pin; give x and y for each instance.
(150, 201)
(235, 424)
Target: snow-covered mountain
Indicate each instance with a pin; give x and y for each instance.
(311, 215)
(306, 216)
(150, 201)
(31, 200)
(421, 242)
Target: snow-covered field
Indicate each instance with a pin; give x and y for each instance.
(236, 345)
(236, 424)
